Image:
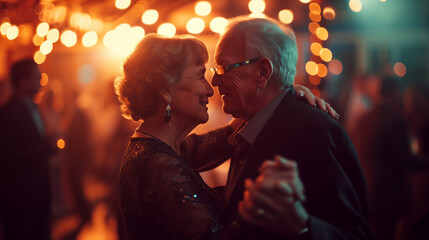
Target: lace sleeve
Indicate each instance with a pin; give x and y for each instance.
(209, 150)
(187, 206)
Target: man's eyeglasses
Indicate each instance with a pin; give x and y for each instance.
(221, 70)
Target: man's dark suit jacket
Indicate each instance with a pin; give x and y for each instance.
(327, 163)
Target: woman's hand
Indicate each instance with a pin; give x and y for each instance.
(274, 200)
(305, 93)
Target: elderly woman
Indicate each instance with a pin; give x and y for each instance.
(162, 196)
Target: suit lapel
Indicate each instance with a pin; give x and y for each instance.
(264, 148)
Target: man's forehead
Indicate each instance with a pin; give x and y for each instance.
(230, 46)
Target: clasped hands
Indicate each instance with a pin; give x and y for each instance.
(274, 199)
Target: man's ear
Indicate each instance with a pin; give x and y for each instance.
(265, 72)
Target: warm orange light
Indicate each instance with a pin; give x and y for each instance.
(195, 25)
(335, 67)
(218, 24)
(322, 33)
(12, 32)
(4, 27)
(315, 80)
(315, 7)
(89, 39)
(355, 5)
(39, 58)
(167, 29)
(311, 68)
(315, 48)
(122, 4)
(305, 1)
(322, 70)
(326, 54)
(329, 13)
(203, 8)
(42, 29)
(312, 27)
(61, 143)
(37, 40)
(315, 92)
(257, 6)
(286, 16)
(314, 16)
(69, 38)
(44, 80)
(400, 69)
(46, 47)
(53, 35)
(150, 17)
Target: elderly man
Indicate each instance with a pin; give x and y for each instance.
(255, 73)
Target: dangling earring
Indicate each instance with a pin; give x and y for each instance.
(167, 113)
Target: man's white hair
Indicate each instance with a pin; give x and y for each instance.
(266, 37)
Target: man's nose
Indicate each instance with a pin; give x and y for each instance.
(216, 80)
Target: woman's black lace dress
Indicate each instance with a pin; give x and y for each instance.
(162, 197)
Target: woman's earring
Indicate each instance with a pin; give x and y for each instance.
(167, 113)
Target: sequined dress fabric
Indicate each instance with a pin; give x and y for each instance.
(162, 197)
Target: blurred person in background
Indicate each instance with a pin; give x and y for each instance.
(416, 109)
(25, 205)
(382, 140)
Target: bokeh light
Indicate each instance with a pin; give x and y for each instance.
(167, 29)
(311, 68)
(315, 7)
(53, 35)
(315, 92)
(37, 40)
(326, 54)
(12, 32)
(150, 17)
(122, 4)
(312, 27)
(61, 143)
(400, 69)
(4, 27)
(305, 1)
(335, 67)
(314, 16)
(218, 24)
(315, 48)
(329, 13)
(44, 79)
(42, 29)
(322, 70)
(315, 80)
(46, 47)
(257, 6)
(203, 8)
(286, 16)
(39, 58)
(195, 25)
(68, 38)
(322, 33)
(89, 39)
(355, 5)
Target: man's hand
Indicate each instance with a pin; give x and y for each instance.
(274, 200)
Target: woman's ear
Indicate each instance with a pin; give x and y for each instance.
(265, 72)
(165, 93)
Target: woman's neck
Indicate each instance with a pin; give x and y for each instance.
(170, 133)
